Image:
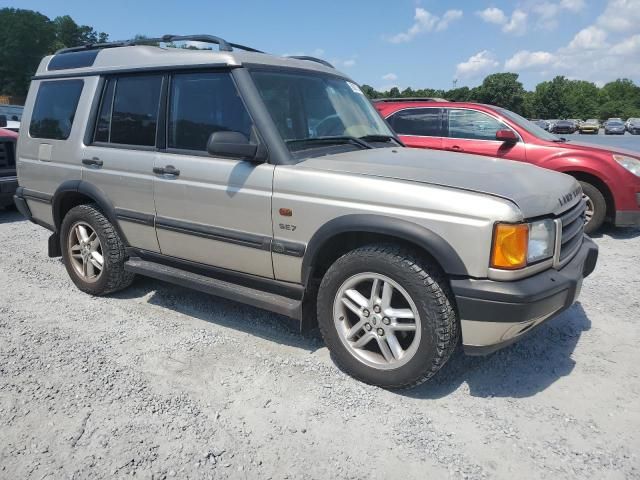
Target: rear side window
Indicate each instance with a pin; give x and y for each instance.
(201, 104)
(129, 110)
(423, 122)
(55, 109)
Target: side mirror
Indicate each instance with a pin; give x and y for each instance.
(3, 121)
(234, 145)
(507, 136)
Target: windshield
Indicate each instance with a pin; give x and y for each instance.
(307, 107)
(530, 127)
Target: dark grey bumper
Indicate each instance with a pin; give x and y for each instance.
(495, 314)
(8, 186)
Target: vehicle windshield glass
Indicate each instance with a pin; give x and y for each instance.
(308, 107)
(530, 127)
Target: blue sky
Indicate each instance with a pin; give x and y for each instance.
(417, 43)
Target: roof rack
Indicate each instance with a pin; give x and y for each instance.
(223, 45)
(411, 99)
(312, 59)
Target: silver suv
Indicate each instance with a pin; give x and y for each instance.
(273, 181)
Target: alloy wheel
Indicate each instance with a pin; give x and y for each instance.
(85, 252)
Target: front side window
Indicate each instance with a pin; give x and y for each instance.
(201, 104)
(55, 109)
(307, 106)
(129, 110)
(473, 125)
(423, 122)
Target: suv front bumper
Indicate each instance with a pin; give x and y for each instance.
(8, 187)
(495, 314)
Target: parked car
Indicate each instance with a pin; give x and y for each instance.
(8, 179)
(542, 124)
(610, 177)
(590, 126)
(633, 126)
(614, 127)
(563, 126)
(12, 115)
(273, 181)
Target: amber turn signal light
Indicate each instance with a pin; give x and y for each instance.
(510, 244)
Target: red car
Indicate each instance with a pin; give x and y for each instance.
(610, 177)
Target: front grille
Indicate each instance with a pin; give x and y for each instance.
(572, 231)
(7, 158)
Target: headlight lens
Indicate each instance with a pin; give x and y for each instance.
(630, 163)
(518, 245)
(542, 239)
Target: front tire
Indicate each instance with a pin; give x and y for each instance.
(93, 252)
(387, 316)
(596, 207)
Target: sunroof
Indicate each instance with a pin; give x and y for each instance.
(64, 61)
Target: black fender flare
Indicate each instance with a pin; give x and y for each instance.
(89, 190)
(424, 238)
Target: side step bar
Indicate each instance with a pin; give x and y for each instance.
(257, 298)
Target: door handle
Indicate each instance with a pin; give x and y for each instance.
(457, 148)
(168, 170)
(95, 161)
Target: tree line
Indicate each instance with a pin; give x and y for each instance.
(557, 98)
(26, 36)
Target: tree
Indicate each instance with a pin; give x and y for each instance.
(70, 34)
(503, 90)
(25, 37)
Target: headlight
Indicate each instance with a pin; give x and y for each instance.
(518, 245)
(630, 163)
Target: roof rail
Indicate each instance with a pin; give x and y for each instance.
(410, 99)
(312, 59)
(223, 45)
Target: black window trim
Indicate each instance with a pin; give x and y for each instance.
(443, 125)
(75, 108)
(494, 117)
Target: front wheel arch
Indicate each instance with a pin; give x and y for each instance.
(600, 185)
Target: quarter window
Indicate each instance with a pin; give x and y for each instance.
(129, 110)
(201, 104)
(473, 125)
(55, 109)
(424, 122)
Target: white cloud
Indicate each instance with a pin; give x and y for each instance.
(525, 59)
(589, 38)
(518, 23)
(425, 21)
(572, 5)
(480, 63)
(492, 15)
(628, 47)
(390, 77)
(620, 15)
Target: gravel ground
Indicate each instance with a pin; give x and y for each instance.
(159, 381)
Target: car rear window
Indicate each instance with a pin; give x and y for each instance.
(129, 110)
(423, 122)
(55, 109)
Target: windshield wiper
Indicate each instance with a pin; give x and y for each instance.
(379, 138)
(337, 140)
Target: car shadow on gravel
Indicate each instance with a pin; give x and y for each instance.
(10, 215)
(617, 233)
(520, 370)
(212, 309)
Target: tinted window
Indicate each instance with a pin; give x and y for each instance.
(425, 122)
(473, 125)
(201, 104)
(55, 108)
(103, 124)
(134, 117)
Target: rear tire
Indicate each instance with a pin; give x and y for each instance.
(596, 207)
(425, 331)
(93, 252)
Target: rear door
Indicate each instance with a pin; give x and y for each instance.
(472, 131)
(419, 127)
(211, 210)
(119, 159)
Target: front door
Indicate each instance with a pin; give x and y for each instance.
(214, 211)
(471, 131)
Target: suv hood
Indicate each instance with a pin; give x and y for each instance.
(536, 191)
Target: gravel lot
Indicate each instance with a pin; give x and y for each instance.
(159, 381)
